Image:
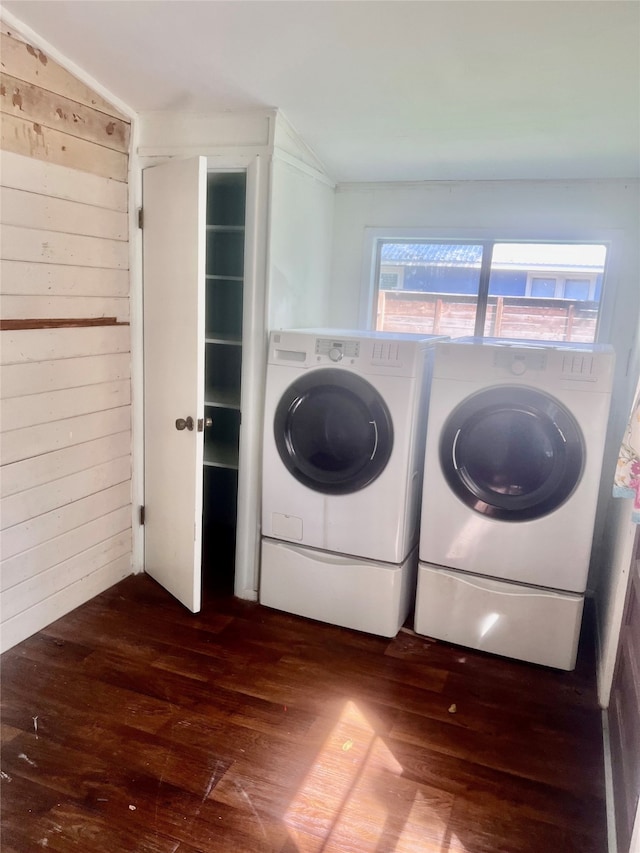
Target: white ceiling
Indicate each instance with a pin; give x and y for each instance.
(420, 90)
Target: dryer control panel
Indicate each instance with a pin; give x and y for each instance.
(361, 351)
(337, 349)
(383, 353)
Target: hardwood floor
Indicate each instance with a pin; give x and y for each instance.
(133, 725)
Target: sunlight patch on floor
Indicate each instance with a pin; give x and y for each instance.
(355, 799)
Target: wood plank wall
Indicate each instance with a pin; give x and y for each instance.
(65, 481)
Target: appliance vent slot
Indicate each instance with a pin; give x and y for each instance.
(578, 366)
(387, 351)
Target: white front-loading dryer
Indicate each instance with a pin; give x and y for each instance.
(512, 470)
(343, 452)
(344, 441)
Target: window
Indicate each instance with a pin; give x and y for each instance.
(542, 286)
(562, 287)
(390, 280)
(535, 291)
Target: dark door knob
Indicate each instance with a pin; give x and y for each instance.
(183, 423)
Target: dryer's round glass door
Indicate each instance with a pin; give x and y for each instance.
(512, 453)
(333, 431)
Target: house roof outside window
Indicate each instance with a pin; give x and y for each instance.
(522, 256)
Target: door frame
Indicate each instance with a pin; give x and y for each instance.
(254, 360)
(255, 299)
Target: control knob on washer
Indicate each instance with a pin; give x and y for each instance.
(518, 366)
(335, 354)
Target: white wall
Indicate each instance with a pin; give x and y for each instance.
(598, 210)
(301, 222)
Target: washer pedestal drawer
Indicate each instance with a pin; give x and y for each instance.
(367, 595)
(527, 623)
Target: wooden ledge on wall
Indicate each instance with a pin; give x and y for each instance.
(69, 323)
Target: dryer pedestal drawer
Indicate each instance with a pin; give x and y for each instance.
(526, 623)
(367, 595)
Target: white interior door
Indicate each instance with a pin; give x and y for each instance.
(174, 250)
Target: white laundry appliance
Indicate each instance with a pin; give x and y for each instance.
(512, 470)
(345, 415)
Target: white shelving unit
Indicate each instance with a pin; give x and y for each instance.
(225, 235)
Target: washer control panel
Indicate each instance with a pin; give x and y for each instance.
(518, 362)
(569, 365)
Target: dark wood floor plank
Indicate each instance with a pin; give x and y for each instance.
(531, 758)
(106, 626)
(498, 791)
(133, 725)
(365, 672)
(511, 834)
(286, 633)
(303, 695)
(499, 679)
(45, 689)
(120, 797)
(50, 649)
(190, 768)
(70, 827)
(7, 733)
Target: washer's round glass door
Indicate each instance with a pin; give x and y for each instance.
(512, 453)
(333, 431)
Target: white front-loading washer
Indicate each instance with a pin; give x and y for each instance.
(343, 451)
(512, 470)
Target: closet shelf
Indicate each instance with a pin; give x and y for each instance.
(217, 455)
(222, 398)
(212, 277)
(225, 338)
(226, 229)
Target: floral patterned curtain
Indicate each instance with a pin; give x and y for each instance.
(627, 476)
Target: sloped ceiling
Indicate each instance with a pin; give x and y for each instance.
(383, 91)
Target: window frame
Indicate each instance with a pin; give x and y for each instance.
(374, 236)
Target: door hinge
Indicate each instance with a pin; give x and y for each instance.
(140, 218)
(142, 515)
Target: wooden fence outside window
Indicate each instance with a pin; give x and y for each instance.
(507, 316)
